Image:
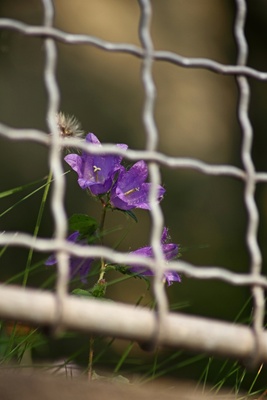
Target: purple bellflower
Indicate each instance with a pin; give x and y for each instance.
(78, 266)
(170, 251)
(95, 172)
(130, 190)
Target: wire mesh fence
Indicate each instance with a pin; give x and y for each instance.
(63, 311)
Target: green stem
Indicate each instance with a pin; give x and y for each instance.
(37, 227)
(101, 229)
(90, 358)
(101, 276)
(102, 222)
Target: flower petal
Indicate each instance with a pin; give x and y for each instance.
(75, 161)
(131, 191)
(77, 265)
(170, 251)
(132, 178)
(172, 276)
(164, 235)
(91, 138)
(95, 172)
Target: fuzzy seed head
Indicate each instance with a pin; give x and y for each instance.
(68, 126)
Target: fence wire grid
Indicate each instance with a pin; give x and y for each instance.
(120, 320)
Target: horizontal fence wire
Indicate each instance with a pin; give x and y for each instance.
(67, 312)
(132, 323)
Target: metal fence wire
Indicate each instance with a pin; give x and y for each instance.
(121, 320)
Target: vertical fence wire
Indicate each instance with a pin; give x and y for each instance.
(250, 183)
(57, 202)
(152, 140)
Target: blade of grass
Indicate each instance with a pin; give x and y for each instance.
(23, 198)
(173, 368)
(233, 370)
(162, 364)
(3, 250)
(104, 349)
(255, 379)
(20, 188)
(27, 196)
(123, 357)
(37, 227)
(155, 364)
(204, 376)
(19, 275)
(239, 380)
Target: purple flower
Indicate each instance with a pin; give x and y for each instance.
(170, 251)
(78, 265)
(130, 190)
(95, 172)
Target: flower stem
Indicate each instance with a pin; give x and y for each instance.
(101, 276)
(90, 358)
(101, 228)
(102, 222)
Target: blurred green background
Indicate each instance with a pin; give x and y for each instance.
(195, 114)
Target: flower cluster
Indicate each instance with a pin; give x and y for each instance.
(78, 265)
(170, 252)
(118, 188)
(104, 175)
(81, 266)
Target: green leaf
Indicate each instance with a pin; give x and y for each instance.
(123, 269)
(82, 223)
(132, 215)
(129, 213)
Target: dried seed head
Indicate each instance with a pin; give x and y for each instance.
(68, 126)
